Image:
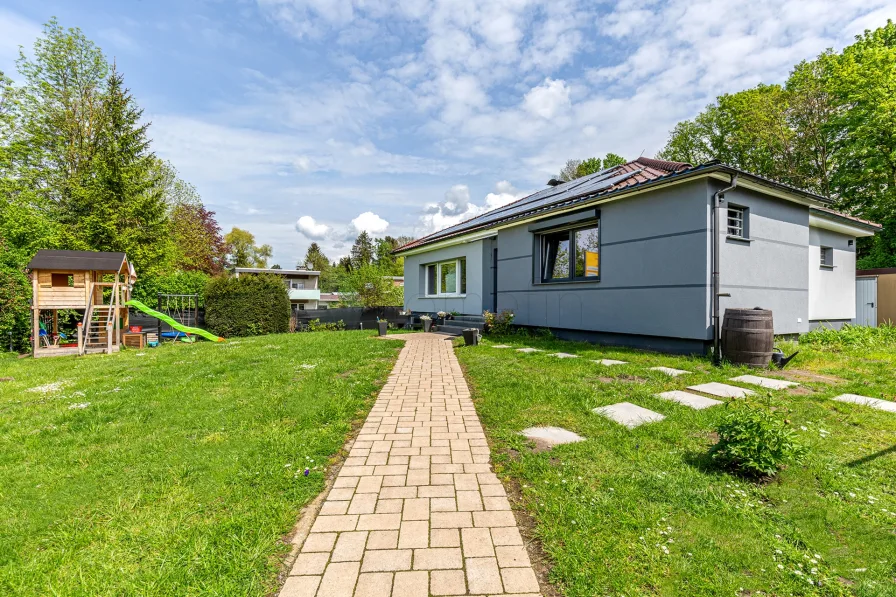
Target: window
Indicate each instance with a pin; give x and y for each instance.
(448, 278)
(737, 222)
(298, 285)
(62, 280)
(571, 255)
(827, 257)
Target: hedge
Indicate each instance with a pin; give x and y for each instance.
(251, 305)
(147, 288)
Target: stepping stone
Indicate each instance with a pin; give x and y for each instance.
(528, 350)
(765, 382)
(876, 403)
(628, 414)
(552, 435)
(722, 390)
(501, 346)
(564, 355)
(688, 399)
(609, 362)
(670, 371)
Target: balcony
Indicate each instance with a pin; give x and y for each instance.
(304, 295)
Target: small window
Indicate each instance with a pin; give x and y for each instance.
(62, 280)
(301, 306)
(736, 222)
(827, 257)
(571, 255)
(448, 278)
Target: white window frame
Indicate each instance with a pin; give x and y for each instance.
(457, 281)
(739, 219)
(829, 253)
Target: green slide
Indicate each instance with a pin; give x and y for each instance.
(174, 325)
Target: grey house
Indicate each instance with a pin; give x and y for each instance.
(624, 256)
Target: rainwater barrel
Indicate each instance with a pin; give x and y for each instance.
(748, 336)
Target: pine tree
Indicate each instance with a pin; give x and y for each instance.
(363, 251)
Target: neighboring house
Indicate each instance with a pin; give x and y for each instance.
(397, 281)
(624, 256)
(328, 300)
(303, 284)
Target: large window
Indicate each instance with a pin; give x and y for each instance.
(448, 278)
(571, 255)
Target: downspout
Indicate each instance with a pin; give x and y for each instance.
(717, 199)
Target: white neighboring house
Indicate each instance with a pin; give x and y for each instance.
(303, 284)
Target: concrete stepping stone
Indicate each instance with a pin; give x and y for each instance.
(722, 390)
(875, 403)
(552, 435)
(670, 371)
(528, 350)
(564, 355)
(610, 362)
(686, 398)
(765, 382)
(500, 345)
(628, 414)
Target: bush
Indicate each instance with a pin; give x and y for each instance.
(251, 305)
(15, 314)
(147, 288)
(498, 323)
(315, 325)
(852, 336)
(754, 442)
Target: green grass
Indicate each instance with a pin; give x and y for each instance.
(183, 472)
(606, 510)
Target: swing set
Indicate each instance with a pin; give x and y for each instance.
(183, 309)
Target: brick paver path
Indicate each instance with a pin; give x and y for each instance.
(416, 509)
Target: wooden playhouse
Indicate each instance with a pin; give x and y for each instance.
(98, 284)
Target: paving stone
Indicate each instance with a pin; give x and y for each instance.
(339, 580)
(378, 522)
(468, 501)
(477, 543)
(440, 558)
(765, 382)
(564, 355)
(309, 564)
(722, 390)
(300, 586)
(483, 576)
(319, 542)
(416, 509)
(411, 584)
(450, 520)
(512, 556)
(670, 371)
(349, 547)
(374, 584)
(494, 519)
(386, 560)
(610, 362)
(552, 435)
(519, 580)
(875, 403)
(413, 534)
(447, 582)
(382, 540)
(330, 524)
(528, 350)
(500, 345)
(506, 536)
(628, 414)
(688, 399)
(444, 538)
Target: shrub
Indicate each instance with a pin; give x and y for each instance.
(251, 305)
(852, 336)
(147, 288)
(15, 314)
(498, 323)
(754, 442)
(315, 325)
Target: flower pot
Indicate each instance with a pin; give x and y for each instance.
(383, 326)
(427, 324)
(471, 337)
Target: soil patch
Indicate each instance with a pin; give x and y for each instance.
(7, 378)
(800, 391)
(803, 375)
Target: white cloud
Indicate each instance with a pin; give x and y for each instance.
(457, 208)
(370, 222)
(310, 228)
(547, 99)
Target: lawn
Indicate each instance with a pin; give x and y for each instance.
(646, 512)
(176, 470)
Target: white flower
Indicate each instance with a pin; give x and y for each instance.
(78, 405)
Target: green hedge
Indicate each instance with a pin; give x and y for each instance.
(147, 288)
(251, 305)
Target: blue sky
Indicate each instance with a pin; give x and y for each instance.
(305, 120)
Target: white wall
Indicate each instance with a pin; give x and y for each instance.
(832, 292)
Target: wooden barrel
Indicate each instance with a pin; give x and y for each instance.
(748, 336)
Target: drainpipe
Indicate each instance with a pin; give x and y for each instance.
(717, 199)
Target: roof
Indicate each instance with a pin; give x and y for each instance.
(76, 261)
(642, 172)
(282, 272)
(826, 212)
(879, 271)
(329, 296)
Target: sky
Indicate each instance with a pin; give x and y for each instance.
(310, 120)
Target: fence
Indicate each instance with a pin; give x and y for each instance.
(353, 317)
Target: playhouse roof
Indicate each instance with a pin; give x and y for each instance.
(76, 261)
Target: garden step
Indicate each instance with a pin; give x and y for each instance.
(451, 330)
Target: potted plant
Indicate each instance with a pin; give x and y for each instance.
(427, 322)
(410, 315)
(471, 336)
(442, 315)
(383, 325)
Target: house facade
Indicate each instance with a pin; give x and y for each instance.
(303, 284)
(624, 256)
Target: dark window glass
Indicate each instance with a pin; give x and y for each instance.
(463, 276)
(555, 262)
(431, 279)
(448, 278)
(587, 252)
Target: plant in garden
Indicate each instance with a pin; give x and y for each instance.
(247, 306)
(754, 442)
(498, 323)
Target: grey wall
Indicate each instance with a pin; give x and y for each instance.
(653, 270)
(415, 297)
(772, 270)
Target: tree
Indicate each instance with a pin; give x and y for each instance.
(369, 286)
(570, 170)
(276, 266)
(175, 190)
(385, 260)
(242, 250)
(198, 244)
(362, 251)
(315, 258)
(578, 168)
